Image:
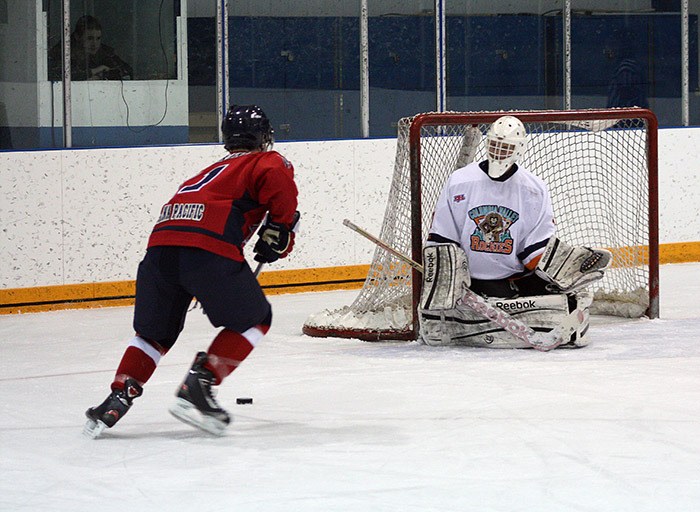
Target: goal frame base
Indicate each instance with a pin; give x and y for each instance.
(359, 334)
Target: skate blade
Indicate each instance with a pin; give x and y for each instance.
(188, 413)
(93, 428)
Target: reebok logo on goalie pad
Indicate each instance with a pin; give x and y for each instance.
(515, 306)
(498, 317)
(429, 265)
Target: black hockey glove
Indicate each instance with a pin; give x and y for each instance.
(276, 241)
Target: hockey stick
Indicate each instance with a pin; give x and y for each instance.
(292, 227)
(383, 245)
(258, 268)
(543, 341)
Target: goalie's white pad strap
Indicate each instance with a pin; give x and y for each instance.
(571, 268)
(445, 271)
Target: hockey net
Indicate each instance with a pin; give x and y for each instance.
(601, 169)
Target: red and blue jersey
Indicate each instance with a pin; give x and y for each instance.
(219, 209)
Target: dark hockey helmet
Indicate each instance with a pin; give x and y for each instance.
(246, 127)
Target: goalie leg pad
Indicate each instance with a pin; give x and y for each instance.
(571, 268)
(445, 271)
(460, 327)
(464, 327)
(582, 301)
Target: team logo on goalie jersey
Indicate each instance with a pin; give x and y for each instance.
(492, 232)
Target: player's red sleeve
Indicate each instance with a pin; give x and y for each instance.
(276, 188)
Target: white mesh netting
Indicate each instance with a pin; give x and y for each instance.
(598, 174)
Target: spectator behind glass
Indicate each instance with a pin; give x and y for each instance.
(90, 59)
(628, 86)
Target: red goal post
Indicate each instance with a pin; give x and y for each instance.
(601, 167)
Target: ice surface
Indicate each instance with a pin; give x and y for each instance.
(345, 425)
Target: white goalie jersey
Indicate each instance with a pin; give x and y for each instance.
(503, 224)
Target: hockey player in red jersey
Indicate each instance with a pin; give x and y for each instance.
(196, 251)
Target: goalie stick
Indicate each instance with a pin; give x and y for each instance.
(543, 341)
(383, 245)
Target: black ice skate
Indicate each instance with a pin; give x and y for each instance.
(116, 405)
(195, 403)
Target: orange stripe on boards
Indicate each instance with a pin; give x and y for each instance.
(121, 293)
(67, 292)
(681, 252)
(39, 308)
(311, 276)
(629, 256)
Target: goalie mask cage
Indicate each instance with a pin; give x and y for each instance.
(601, 169)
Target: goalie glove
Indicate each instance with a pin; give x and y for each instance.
(276, 241)
(571, 268)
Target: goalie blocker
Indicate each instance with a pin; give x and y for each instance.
(445, 321)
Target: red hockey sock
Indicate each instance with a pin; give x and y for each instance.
(230, 348)
(138, 362)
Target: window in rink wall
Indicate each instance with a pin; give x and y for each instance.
(498, 59)
(300, 61)
(632, 60)
(138, 39)
(124, 59)
(302, 66)
(128, 77)
(622, 54)
(694, 50)
(303, 71)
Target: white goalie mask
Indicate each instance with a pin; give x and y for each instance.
(505, 144)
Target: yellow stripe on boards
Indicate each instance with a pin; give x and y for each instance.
(682, 252)
(121, 293)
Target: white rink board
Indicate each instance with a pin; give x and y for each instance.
(83, 216)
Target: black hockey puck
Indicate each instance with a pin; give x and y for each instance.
(244, 401)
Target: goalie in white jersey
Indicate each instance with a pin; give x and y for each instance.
(493, 231)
